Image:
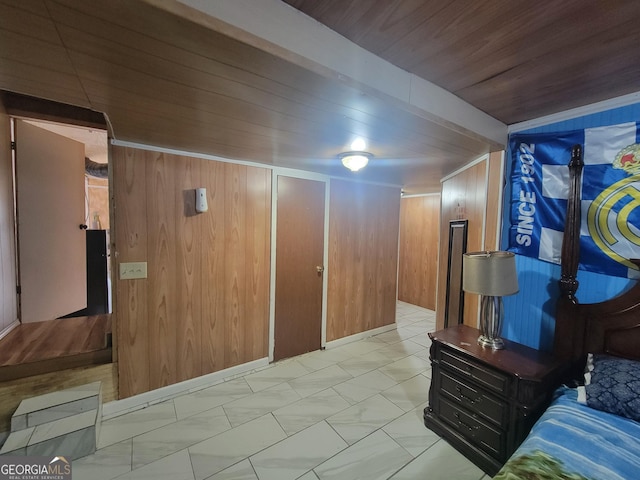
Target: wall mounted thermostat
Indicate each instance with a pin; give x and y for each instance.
(201, 200)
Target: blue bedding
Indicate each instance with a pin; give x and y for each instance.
(573, 441)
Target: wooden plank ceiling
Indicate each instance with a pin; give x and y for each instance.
(169, 81)
(513, 59)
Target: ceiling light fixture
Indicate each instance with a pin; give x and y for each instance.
(355, 160)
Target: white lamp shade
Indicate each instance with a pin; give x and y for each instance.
(489, 273)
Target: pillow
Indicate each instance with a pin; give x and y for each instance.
(612, 384)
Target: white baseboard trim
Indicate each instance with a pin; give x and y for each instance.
(5, 331)
(359, 336)
(137, 402)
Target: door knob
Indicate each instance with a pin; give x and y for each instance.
(319, 268)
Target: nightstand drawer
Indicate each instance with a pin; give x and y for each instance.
(473, 429)
(474, 399)
(489, 378)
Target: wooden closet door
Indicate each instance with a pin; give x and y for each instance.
(299, 266)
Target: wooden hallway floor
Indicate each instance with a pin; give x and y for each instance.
(34, 348)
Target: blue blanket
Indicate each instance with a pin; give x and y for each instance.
(573, 441)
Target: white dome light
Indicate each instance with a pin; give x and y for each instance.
(354, 161)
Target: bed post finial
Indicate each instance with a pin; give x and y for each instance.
(571, 239)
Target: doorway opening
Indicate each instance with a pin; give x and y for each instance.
(61, 201)
(95, 217)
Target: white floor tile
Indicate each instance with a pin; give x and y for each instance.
(422, 340)
(276, 374)
(331, 355)
(310, 410)
(409, 394)
(391, 336)
(176, 436)
(319, 380)
(365, 363)
(440, 462)
(136, 423)
(400, 350)
(315, 360)
(361, 419)
(212, 397)
(261, 403)
(309, 476)
(414, 329)
(51, 401)
(406, 368)
(375, 457)
(105, 464)
(173, 467)
(409, 332)
(361, 347)
(424, 354)
(217, 453)
(364, 386)
(291, 458)
(410, 433)
(240, 471)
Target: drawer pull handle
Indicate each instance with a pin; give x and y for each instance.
(466, 398)
(464, 424)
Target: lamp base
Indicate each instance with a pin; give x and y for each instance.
(493, 343)
(491, 322)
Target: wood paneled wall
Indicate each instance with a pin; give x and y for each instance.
(8, 296)
(205, 303)
(363, 257)
(470, 195)
(418, 262)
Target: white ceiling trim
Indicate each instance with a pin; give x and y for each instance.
(280, 24)
(478, 160)
(414, 195)
(597, 107)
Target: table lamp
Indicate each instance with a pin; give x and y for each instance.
(491, 275)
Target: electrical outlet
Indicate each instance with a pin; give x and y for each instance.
(131, 270)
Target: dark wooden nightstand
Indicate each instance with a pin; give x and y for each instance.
(483, 401)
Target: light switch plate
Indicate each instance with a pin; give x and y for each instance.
(131, 270)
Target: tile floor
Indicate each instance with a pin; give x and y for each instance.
(351, 412)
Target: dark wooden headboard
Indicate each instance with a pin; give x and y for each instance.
(612, 326)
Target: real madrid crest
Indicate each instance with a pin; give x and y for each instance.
(610, 215)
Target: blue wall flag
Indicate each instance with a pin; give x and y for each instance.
(610, 205)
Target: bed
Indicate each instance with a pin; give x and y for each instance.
(591, 431)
